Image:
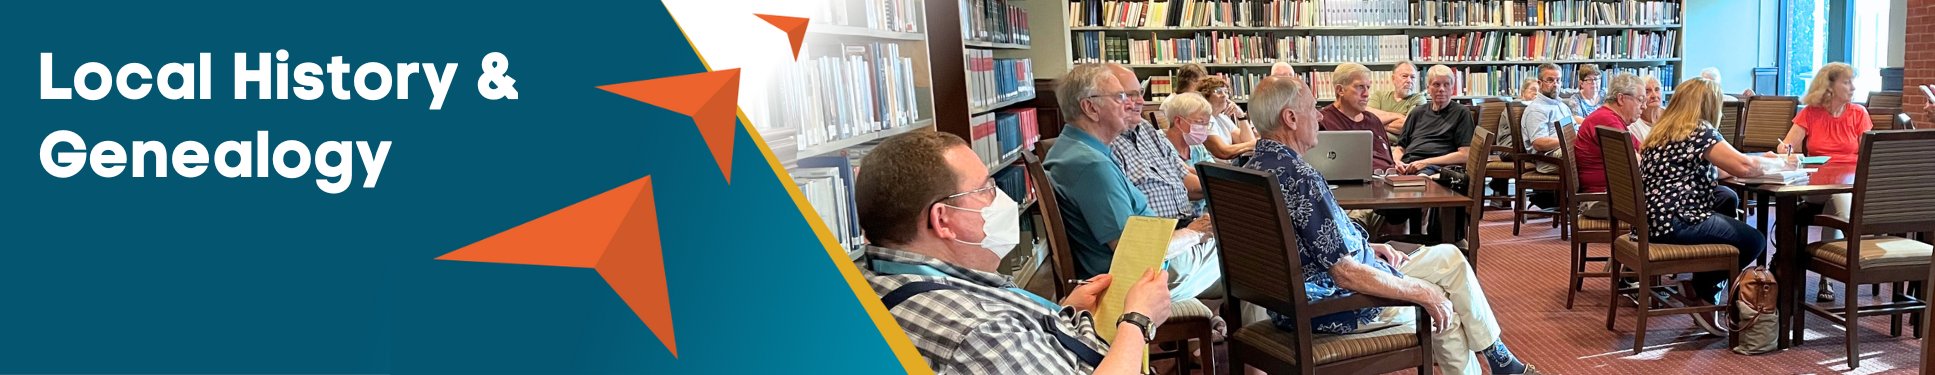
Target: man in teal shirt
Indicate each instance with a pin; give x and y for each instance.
(1097, 198)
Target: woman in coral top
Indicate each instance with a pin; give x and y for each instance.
(1831, 126)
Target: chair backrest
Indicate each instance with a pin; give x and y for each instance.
(1512, 120)
(1903, 121)
(1255, 237)
(1883, 117)
(1884, 99)
(1623, 180)
(1058, 249)
(1568, 171)
(1732, 114)
(1766, 121)
(1488, 114)
(1891, 189)
(1042, 146)
(1476, 162)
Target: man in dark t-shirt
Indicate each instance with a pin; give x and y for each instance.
(1438, 134)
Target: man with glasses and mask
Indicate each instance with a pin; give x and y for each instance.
(1097, 196)
(938, 229)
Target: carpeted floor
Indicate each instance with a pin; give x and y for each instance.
(1525, 277)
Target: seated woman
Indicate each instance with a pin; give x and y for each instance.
(1188, 115)
(1230, 134)
(1678, 161)
(1338, 260)
(1831, 126)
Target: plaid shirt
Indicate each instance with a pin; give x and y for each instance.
(1154, 167)
(987, 326)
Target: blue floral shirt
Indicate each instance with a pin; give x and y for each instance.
(1325, 236)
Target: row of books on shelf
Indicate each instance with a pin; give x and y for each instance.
(1508, 80)
(827, 184)
(1238, 13)
(994, 21)
(1218, 47)
(1000, 134)
(1545, 45)
(1545, 13)
(887, 15)
(1017, 184)
(1160, 88)
(992, 80)
(869, 87)
(1346, 13)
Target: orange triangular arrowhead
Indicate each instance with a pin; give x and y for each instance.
(795, 28)
(714, 109)
(574, 236)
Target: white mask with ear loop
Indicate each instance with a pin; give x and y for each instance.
(1000, 221)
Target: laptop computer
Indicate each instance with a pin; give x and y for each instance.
(1342, 156)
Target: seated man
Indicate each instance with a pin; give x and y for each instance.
(1536, 125)
(938, 228)
(1391, 105)
(1439, 135)
(1349, 112)
(1098, 196)
(1338, 261)
(1150, 162)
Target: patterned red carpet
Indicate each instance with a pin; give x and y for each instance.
(1525, 278)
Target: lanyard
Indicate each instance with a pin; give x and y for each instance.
(898, 268)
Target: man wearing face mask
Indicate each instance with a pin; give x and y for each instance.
(1098, 196)
(938, 228)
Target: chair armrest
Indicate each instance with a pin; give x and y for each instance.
(1832, 221)
(1353, 302)
(1590, 197)
(1540, 158)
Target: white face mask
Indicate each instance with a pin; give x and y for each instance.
(1000, 221)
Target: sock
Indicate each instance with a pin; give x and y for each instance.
(1502, 360)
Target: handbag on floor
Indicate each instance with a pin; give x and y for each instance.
(1754, 301)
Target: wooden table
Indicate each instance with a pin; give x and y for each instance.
(1380, 196)
(1789, 237)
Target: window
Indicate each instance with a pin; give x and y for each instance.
(1870, 49)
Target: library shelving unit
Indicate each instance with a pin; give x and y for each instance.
(1492, 44)
(862, 76)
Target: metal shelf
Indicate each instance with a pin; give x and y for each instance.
(1004, 104)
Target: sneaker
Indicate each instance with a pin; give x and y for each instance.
(1826, 293)
(1708, 321)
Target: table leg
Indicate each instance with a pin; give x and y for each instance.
(1787, 270)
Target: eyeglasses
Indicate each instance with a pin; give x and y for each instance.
(985, 186)
(1120, 96)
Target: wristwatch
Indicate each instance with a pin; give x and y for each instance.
(1140, 321)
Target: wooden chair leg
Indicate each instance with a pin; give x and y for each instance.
(1575, 282)
(1612, 299)
(1645, 306)
(1518, 208)
(1853, 325)
(1894, 321)
(1208, 352)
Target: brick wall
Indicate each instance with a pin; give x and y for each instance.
(1918, 56)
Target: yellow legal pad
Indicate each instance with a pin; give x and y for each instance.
(1144, 242)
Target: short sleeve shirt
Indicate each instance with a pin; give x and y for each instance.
(1151, 164)
(1586, 152)
(1325, 235)
(1537, 121)
(1679, 181)
(1838, 138)
(1097, 198)
(984, 326)
(1430, 133)
(1333, 119)
(1386, 100)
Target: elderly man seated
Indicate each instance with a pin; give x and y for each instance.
(938, 228)
(1338, 261)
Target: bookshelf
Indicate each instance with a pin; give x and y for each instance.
(863, 75)
(1492, 44)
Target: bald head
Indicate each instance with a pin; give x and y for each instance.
(1281, 69)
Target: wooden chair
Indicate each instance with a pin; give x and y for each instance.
(1188, 319)
(1261, 266)
(1891, 195)
(1506, 168)
(1530, 179)
(1883, 117)
(1582, 231)
(1731, 114)
(1765, 122)
(1647, 259)
(1884, 99)
(1903, 121)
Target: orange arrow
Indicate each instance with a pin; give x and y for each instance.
(615, 232)
(795, 28)
(714, 109)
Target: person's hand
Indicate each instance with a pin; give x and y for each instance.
(1390, 255)
(1442, 317)
(1929, 108)
(1085, 296)
(1150, 296)
(1202, 224)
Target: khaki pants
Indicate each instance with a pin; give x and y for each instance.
(1443, 269)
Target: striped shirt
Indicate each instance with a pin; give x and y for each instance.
(987, 326)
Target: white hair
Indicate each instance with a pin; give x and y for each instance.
(1078, 85)
(1711, 73)
(1281, 69)
(1186, 104)
(1347, 73)
(1625, 83)
(1437, 71)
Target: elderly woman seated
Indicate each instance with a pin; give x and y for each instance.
(1339, 261)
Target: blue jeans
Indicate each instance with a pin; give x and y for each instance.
(1718, 229)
